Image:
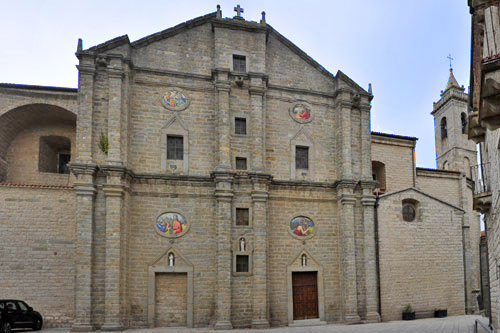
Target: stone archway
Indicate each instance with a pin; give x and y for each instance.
(30, 117)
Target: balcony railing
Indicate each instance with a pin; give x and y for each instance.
(482, 183)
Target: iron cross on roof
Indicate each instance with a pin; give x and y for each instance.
(238, 10)
(450, 58)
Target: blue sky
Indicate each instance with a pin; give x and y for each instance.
(399, 46)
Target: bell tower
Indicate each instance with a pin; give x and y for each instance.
(454, 151)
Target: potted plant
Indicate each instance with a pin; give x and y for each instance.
(408, 313)
(440, 313)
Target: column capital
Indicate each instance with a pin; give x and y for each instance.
(368, 201)
(347, 199)
(83, 168)
(260, 196)
(116, 171)
(85, 189)
(256, 90)
(346, 184)
(224, 86)
(113, 190)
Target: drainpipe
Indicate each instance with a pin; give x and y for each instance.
(490, 317)
(377, 259)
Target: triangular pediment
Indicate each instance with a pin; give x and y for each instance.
(297, 259)
(413, 189)
(175, 122)
(303, 136)
(163, 259)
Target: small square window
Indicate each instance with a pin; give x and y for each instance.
(175, 147)
(240, 126)
(242, 216)
(241, 163)
(241, 264)
(301, 157)
(239, 63)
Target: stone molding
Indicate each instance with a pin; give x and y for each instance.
(112, 190)
(79, 169)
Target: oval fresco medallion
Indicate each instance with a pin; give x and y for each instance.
(301, 113)
(301, 227)
(171, 224)
(175, 99)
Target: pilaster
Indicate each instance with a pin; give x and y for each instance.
(84, 133)
(346, 138)
(348, 252)
(366, 151)
(224, 198)
(223, 89)
(115, 82)
(257, 91)
(260, 317)
(114, 190)
(370, 261)
(85, 195)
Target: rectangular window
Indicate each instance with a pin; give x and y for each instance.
(242, 216)
(241, 264)
(240, 126)
(241, 163)
(301, 157)
(239, 63)
(175, 147)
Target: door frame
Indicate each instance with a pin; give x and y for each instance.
(313, 266)
(187, 268)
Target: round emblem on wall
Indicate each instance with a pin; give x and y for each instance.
(171, 225)
(301, 112)
(175, 99)
(301, 227)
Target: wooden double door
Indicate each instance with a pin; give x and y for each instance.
(305, 295)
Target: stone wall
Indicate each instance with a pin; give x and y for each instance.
(415, 267)
(37, 249)
(320, 205)
(491, 157)
(397, 154)
(196, 203)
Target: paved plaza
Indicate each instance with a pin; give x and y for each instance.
(456, 324)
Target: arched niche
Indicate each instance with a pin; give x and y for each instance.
(20, 131)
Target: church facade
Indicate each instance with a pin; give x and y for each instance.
(215, 174)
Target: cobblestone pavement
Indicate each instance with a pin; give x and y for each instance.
(456, 324)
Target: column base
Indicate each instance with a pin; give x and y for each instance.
(81, 328)
(260, 323)
(372, 317)
(352, 318)
(223, 325)
(111, 328)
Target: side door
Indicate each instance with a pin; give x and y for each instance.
(13, 313)
(24, 318)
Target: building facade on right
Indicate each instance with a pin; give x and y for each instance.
(484, 128)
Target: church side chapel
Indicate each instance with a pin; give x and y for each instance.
(213, 174)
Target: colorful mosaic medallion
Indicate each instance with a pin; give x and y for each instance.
(301, 226)
(301, 113)
(175, 100)
(171, 224)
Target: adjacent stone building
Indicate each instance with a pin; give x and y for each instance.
(484, 125)
(215, 174)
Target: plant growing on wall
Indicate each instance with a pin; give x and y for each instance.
(104, 143)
